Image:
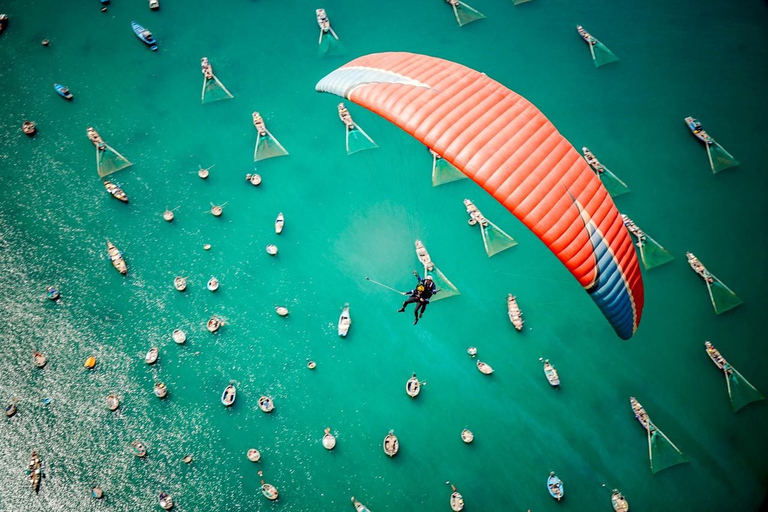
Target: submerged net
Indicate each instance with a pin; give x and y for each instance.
(466, 14)
(267, 147)
(653, 254)
(663, 452)
(330, 45)
(358, 140)
(108, 161)
(740, 390)
(722, 297)
(601, 55)
(447, 289)
(612, 183)
(495, 240)
(214, 90)
(719, 158)
(444, 172)
(518, 2)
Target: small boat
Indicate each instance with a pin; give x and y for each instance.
(467, 436)
(272, 249)
(180, 283)
(206, 68)
(97, 492)
(515, 315)
(63, 91)
(258, 123)
(391, 444)
(254, 179)
(145, 35)
(484, 368)
(586, 36)
(266, 404)
(3, 22)
(39, 359)
(323, 21)
(555, 486)
(423, 255)
(253, 455)
(168, 215)
(279, 223)
(311, 365)
(281, 310)
(413, 387)
(29, 128)
(641, 415)
(213, 324)
(52, 293)
(154, 4)
(116, 257)
(151, 357)
(187, 459)
(203, 173)
(695, 126)
(207, 247)
(457, 501)
(161, 390)
(217, 210)
(10, 410)
(329, 442)
(229, 395)
(113, 402)
(550, 373)
(359, 507)
(115, 191)
(345, 321)
(716, 357)
(90, 362)
(268, 490)
(619, 502)
(35, 471)
(95, 138)
(699, 267)
(213, 284)
(166, 502)
(592, 160)
(179, 336)
(472, 351)
(138, 449)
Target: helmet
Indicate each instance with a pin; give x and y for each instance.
(427, 277)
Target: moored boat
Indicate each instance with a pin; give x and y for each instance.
(311, 365)
(329, 441)
(217, 210)
(699, 267)
(52, 293)
(116, 257)
(413, 387)
(258, 123)
(95, 138)
(154, 4)
(551, 373)
(472, 351)
(63, 91)
(323, 21)
(272, 249)
(695, 126)
(266, 404)
(35, 471)
(229, 395)
(3, 22)
(180, 283)
(716, 356)
(423, 255)
(457, 501)
(281, 310)
(279, 223)
(145, 35)
(97, 492)
(641, 415)
(345, 321)
(359, 507)
(619, 502)
(10, 410)
(115, 191)
(179, 336)
(165, 500)
(467, 436)
(29, 128)
(484, 368)
(586, 36)
(206, 67)
(214, 324)
(138, 449)
(254, 179)
(113, 402)
(253, 455)
(391, 444)
(161, 390)
(513, 310)
(268, 490)
(213, 284)
(39, 359)
(151, 356)
(555, 486)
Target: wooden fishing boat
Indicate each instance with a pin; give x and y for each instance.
(213, 284)
(3, 22)
(161, 390)
(253, 455)
(641, 415)
(391, 444)
(259, 124)
(29, 128)
(279, 223)
(266, 404)
(166, 502)
(180, 283)
(151, 357)
(97, 492)
(113, 402)
(281, 310)
(203, 173)
(10, 410)
(254, 179)
(154, 4)
(716, 356)
(475, 216)
(272, 249)
(345, 321)
(592, 160)
(551, 373)
(329, 442)
(586, 35)
(52, 293)
(699, 267)
(467, 436)
(311, 365)
(145, 35)
(95, 138)
(115, 191)
(138, 449)
(322, 20)
(213, 324)
(63, 91)
(423, 256)
(346, 117)
(413, 387)
(187, 459)
(484, 368)
(457, 501)
(513, 310)
(116, 257)
(217, 210)
(472, 351)
(39, 359)
(619, 502)
(268, 490)
(359, 507)
(206, 68)
(90, 362)
(695, 126)
(555, 486)
(179, 336)
(229, 395)
(35, 471)
(168, 215)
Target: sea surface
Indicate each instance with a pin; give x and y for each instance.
(352, 217)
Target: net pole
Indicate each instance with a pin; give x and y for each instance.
(456, 14)
(347, 138)
(592, 51)
(709, 155)
(650, 450)
(202, 94)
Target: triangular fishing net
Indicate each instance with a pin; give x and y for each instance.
(358, 140)
(612, 183)
(267, 147)
(601, 55)
(447, 289)
(719, 158)
(444, 172)
(330, 45)
(214, 90)
(518, 2)
(466, 14)
(740, 390)
(722, 297)
(108, 161)
(653, 254)
(663, 452)
(495, 239)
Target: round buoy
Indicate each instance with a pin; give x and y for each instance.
(271, 249)
(216, 211)
(46, 42)
(168, 215)
(311, 365)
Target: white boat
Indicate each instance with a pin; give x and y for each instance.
(311, 365)
(154, 4)
(391, 444)
(213, 324)
(484, 368)
(281, 310)
(213, 284)
(116, 257)
(161, 390)
(266, 404)
(423, 256)
(217, 210)
(138, 449)
(279, 223)
(113, 402)
(166, 502)
(457, 501)
(619, 502)
(179, 336)
(359, 507)
(345, 321)
(253, 455)
(467, 436)
(229, 395)
(180, 283)
(515, 315)
(268, 490)
(254, 179)
(151, 356)
(39, 359)
(472, 351)
(716, 356)
(272, 249)
(329, 442)
(413, 387)
(699, 267)
(551, 373)
(168, 215)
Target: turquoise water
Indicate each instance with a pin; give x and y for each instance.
(352, 217)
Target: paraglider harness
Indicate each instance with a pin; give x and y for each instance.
(424, 290)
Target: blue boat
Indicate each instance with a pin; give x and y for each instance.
(63, 91)
(555, 486)
(145, 35)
